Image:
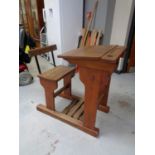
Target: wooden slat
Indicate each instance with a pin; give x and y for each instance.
(93, 37)
(75, 108)
(29, 18)
(42, 50)
(88, 39)
(66, 110)
(57, 73)
(89, 23)
(79, 112)
(82, 34)
(81, 117)
(99, 37)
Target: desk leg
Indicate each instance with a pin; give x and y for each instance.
(104, 90)
(91, 78)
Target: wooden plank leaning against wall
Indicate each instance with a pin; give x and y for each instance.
(27, 6)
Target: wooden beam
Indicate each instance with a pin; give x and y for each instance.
(69, 120)
(104, 108)
(60, 90)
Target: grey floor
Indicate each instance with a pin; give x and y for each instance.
(43, 135)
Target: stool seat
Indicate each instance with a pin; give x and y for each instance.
(57, 73)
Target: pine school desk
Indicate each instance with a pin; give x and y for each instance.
(95, 65)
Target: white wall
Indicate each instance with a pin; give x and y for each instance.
(71, 13)
(121, 20)
(109, 22)
(53, 26)
(71, 22)
(64, 26)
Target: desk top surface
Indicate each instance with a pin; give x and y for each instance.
(109, 53)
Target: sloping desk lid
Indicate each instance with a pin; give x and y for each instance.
(109, 53)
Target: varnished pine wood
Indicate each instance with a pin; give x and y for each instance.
(67, 81)
(99, 36)
(69, 120)
(91, 80)
(49, 92)
(61, 90)
(95, 53)
(93, 37)
(75, 108)
(70, 98)
(81, 117)
(67, 109)
(96, 65)
(40, 6)
(104, 90)
(89, 23)
(42, 50)
(105, 109)
(113, 54)
(57, 73)
(29, 18)
(49, 81)
(79, 112)
(95, 73)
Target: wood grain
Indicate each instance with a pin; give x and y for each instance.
(67, 109)
(79, 112)
(49, 88)
(100, 33)
(114, 54)
(96, 65)
(42, 50)
(69, 120)
(89, 53)
(91, 78)
(57, 73)
(93, 37)
(75, 108)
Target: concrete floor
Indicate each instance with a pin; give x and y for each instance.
(43, 135)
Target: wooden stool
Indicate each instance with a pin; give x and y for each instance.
(49, 80)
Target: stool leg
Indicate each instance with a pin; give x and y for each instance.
(49, 88)
(49, 96)
(67, 81)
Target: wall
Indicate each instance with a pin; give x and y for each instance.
(130, 20)
(64, 26)
(71, 13)
(53, 26)
(71, 22)
(121, 21)
(100, 19)
(109, 22)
